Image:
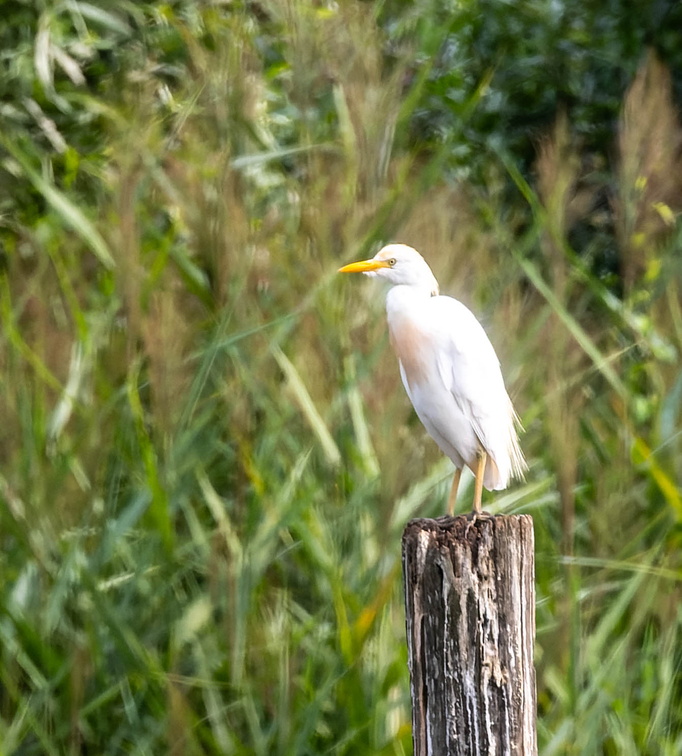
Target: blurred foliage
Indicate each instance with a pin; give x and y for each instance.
(533, 58)
(207, 459)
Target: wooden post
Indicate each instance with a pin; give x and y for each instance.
(470, 611)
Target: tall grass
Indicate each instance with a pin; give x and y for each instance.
(207, 456)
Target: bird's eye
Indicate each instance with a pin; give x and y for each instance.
(392, 261)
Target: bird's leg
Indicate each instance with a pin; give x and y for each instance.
(478, 486)
(453, 492)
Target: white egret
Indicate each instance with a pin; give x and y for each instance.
(450, 372)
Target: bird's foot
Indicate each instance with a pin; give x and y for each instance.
(475, 515)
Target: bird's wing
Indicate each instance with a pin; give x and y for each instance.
(470, 370)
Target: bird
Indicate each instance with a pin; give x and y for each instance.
(450, 372)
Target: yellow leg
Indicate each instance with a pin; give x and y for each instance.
(478, 487)
(453, 492)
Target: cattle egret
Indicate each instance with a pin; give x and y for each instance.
(450, 372)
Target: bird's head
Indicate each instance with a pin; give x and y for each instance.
(399, 265)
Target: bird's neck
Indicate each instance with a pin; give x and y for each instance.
(405, 295)
(406, 301)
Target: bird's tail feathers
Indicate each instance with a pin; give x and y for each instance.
(518, 461)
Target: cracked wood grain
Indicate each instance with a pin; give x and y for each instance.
(470, 616)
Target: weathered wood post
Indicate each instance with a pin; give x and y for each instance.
(470, 611)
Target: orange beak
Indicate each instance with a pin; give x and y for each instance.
(364, 266)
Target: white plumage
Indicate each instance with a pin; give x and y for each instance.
(449, 369)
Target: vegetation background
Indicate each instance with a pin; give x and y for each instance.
(207, 458)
